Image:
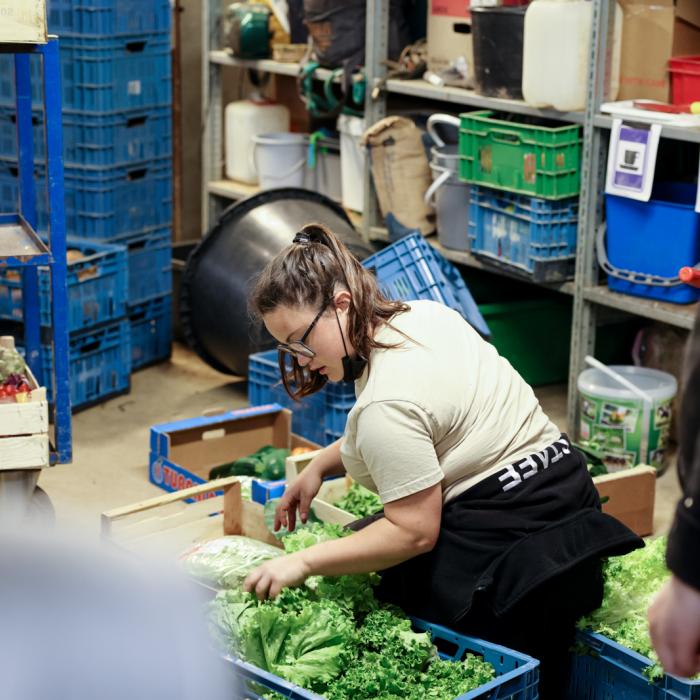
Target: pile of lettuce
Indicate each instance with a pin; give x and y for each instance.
(359, 501)
(631, 581)
(332, 636)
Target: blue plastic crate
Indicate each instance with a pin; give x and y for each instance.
(123, 138)
(406, 270)
(107, 18)
(412, 269)
(151, 331)
(610, 671)
(340, 398)
(262, 491)
(113, 75)
(517, 675)
(117, 202)
(654, 238)
(7, 81)
(8, 134)
(9, 191)
(99, 364)
(97, 286)
(150, 263)
(265, 386)
(530, 235)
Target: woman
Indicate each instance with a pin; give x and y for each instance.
(491, 523)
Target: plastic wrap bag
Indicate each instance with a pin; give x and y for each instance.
(226, 561)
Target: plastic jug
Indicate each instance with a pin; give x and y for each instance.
(244, 120)
(556, 48)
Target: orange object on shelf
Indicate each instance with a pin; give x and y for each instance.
(690, 275)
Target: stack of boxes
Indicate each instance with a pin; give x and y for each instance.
(117, 145)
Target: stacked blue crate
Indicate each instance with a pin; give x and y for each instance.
(116, 87)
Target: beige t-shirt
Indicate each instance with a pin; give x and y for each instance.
(442, 408)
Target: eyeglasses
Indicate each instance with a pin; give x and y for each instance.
(298, 348)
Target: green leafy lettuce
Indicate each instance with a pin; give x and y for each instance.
(332, 636)
(359, 501)
(631, 581)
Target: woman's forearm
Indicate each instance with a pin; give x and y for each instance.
(328, 462)
(374, 548)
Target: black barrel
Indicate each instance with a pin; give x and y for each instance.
(221, 269)
(497, 34)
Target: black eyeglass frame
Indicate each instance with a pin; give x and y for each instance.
(297, 348)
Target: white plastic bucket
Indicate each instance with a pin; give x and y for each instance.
(325, 176)
(612, 416)
(280, 159)
(352, 161)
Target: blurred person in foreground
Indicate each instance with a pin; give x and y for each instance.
(674, 616)
(79, 622)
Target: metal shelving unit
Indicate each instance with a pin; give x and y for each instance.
(21, 247)
(588, 295)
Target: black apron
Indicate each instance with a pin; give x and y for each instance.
(507, 535)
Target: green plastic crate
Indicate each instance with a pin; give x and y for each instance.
(533, 336)
(534, 159)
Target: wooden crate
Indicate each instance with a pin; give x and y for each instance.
(628, 495)
(167, 526)
(24, 427)
(329, 492)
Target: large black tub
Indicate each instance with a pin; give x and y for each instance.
(221, 269)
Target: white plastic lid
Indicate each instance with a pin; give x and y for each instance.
(659, 385)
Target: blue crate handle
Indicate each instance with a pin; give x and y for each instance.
(629, 275)
(269, 680)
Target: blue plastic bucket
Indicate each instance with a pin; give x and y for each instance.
(654, 238)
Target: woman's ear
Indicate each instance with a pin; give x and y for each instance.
(342, 300)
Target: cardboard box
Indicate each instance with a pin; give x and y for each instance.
(629, 496)
(182, 453)
(652, 32)
(24, 427)
(23, 22)
(449, 34)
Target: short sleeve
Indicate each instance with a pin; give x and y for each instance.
(394, 439)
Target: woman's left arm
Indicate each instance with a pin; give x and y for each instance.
(410, 527)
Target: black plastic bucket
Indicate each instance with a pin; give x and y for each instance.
(220, 270)
(497, 34)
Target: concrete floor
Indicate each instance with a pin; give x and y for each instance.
(111, 441)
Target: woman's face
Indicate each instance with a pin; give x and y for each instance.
(287, 324)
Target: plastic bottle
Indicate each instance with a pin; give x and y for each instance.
(244, 120)
(556, 48)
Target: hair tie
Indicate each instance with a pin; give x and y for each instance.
(301, 237)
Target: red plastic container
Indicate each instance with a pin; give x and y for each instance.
(685, 79)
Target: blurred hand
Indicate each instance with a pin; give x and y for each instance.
(275, 574)
(674, 625)
(297, 496)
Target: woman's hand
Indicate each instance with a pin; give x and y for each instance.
(275, 574)
(298, 496)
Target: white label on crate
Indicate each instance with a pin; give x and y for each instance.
(632, 159)
(134, 87)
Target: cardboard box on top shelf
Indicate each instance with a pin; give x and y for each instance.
(449, 34)
(23, 21)
(652, 32)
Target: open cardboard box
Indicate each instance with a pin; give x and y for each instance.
(652, 32)
(627, 495)
(183, 452)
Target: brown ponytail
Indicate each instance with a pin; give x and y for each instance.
(308, 273)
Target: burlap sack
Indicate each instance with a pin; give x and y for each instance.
(401, 172)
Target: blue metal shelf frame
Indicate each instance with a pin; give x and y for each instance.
(55, 256)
